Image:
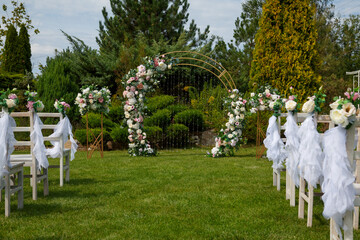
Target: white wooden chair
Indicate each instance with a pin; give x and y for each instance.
(349, 215)
(14, 172)
(308, 196)
(277, 172)
(65, 152)
(29, 159)
(357, 180)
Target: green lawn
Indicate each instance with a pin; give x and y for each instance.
(177, 195)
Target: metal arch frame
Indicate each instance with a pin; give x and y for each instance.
(223, 73)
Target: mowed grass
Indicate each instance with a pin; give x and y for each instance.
(177, 195)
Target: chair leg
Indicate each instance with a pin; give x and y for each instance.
(274, 178)
(310, 206)
(46, 182)
(21, 191)
(61, 171)
(292, 193)
(278, 175)
(7, 196)
(34, 182)
(67, 174)
(348, 225)
(356, 218)
(287, 187)
(301, 199)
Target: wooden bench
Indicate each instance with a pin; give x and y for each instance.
(29, 159)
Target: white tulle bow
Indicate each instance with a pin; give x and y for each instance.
(339, 193)
(311, 155)
(7, 141)
(39, 148)
(63, 129)
(273, 143)
(292, 148)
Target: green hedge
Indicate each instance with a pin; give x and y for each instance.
(178, 135)
(154, 134)
(193, 119)
(120, 135)
(161, 118)
(177, 108)
(80, 135)
(159, 102)
(95, 121)
(116, 113)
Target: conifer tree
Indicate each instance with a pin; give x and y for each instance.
(11, 59)
(285, 53)
(24, 50)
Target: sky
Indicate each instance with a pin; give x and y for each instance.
(81, 18)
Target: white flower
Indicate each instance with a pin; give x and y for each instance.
(252, 94)
(129, 122)
(232, 120)
(274, 97)
(132, 101)
(267, 91)
(242, 109)
(242, 116)
(215, 150)
(169, 66)
(253, 110)
(334, 105)
(56, 104)
(309, 106)
(260, 95)
(338, 117)
(91, 101)
(139, 131)
(230, 136)
(290, 105)
(93, 106)
(232, 128)
(232, 96)
(86, 90)
(271, 105)
(127, 115)
(236, 112)
(349, 109)
(239, 132)
(136, 126)
(131, 145)
(40, 106)
(149, 73)
(130, 131)
(10, 103)
(142, 142)
(130, 95)
(262, 107)
(162, 66)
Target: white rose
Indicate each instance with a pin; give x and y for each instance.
(290, 105)
(334, 105)
(139, 131)
(349, 109)
(130, 131)
(91, 101)
(130, 95)
(142, 141)
(232, 96)
(338, 117)
(231, 120)
(260, 95)
(236, 112)
(10, 103)
(162, 66)
(230, 136)
(267, 91)
(85, 91)
(242, 116)
(149, 73)
(56, 104)
(131, 145)
(242, 109)
(129, 122)
(136, 126)
(252, 94)
(40, 106)
(239, 132)
(127, 115)
(215, 150)
(237, 117)
(274, 97)
(309, 106)
(132, 101)
(232, 128)
(271, 105)
(262, 107)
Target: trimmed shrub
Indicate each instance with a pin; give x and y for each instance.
(95, 121)
(178, 135)
(116, 113)
(159, 102)
(120, 135)
(177, 108)
(193, 119)
(161, 118)
(80, 135)
(154, 134)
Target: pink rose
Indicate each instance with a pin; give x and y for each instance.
(356, 96)
(12, 96)
(101, 100)
(90, 95)
(347, 95)
(148, 78)
(268, 95)
(140, 86)
(30, 105)
(140, 119)
(244, 101)
(291, 97)
(133, 88)
(125, 93)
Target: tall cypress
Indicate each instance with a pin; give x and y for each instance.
(285, 53)
(24, 50)
(11, 60)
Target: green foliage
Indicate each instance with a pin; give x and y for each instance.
(193, 119)
(24, 50)
(116, 113)
(161, 119)
(154, 134)
(80, 135)
(9, 80)
(178, 135)
(285, 53)
(249, 132)
(57, 81)
(159, 102)
(11, 61)
(177, 108)
(95, 121)
(119, 135)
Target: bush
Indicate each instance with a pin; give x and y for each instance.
(116, 113)
(250, 130)
(95, 121)
(80, 135)
(161, 118)
(193, 119)
(178, 135)
(159, 102)
(177, 108)
(154, 134)
(120, 135)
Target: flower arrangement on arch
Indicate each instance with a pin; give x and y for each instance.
(343, 110)
(137, 83)
(33, 104)
(61, 106)
(8, 100)
(291, 104)
(230, 138)
(93, 99)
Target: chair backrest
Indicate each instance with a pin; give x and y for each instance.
(51, 126)
(27, 129)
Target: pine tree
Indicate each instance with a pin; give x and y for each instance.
(285, 53)
(11, 60)
(154, 20)
(24, 50)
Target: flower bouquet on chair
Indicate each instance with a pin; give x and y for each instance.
(33, 104)
(8, 100)
(61, 106)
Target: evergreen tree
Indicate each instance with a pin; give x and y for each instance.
(11, 61)
(285, 53)
(24, 50)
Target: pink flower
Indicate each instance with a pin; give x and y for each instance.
(291, 97)
(148, 78)
(30, 105)
(82, 100)
(268, 95)
(127, 88)
(90, 95)
(229, 91)
(356, 96)
(133, 88)
(12, 96)
(347, 95)
(140, 119)
(101, 100)
(125, 93)
(244, 102)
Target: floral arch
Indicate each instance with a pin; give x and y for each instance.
(146, 77)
